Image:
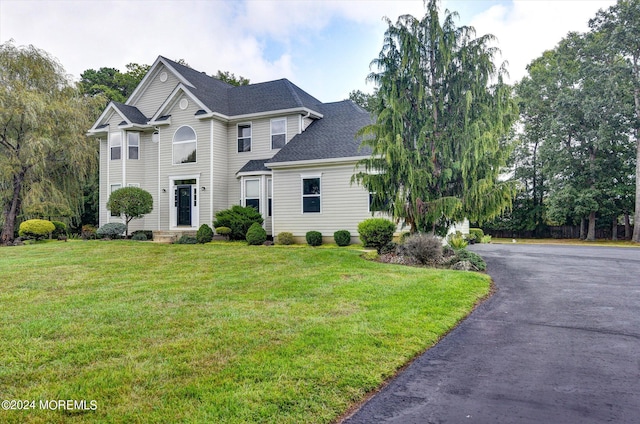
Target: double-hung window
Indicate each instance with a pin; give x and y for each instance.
(311, 194)
(133, 145)
(278, 133)
(269, 196)
(244, 138)
(115, 145)
(115, 187)
(252, 193)
(184, 145)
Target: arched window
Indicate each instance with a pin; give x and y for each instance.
(184, 145)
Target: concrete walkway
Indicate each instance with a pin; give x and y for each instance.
(558, 343)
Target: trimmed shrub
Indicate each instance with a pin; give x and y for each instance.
(342, 237)
(223, 231)
(36, 229)
(376, 232)
(88, 232)
(187, 239)
(285, 238)
(204, 234)
(486, 239)
(478, 233)
(314, 238)
(147, 233)
(425, 248)
(239, 219)
(112, 230)
(61, 229)
(132, 202)
(256, 235)
(139, 237)
(472, 257)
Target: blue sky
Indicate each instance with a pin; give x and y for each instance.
(325, 47)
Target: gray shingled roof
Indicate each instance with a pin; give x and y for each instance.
(255, 165)
(131, 113)
(333, 136)
(229, 100)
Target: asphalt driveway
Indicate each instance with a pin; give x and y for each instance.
(558, 343)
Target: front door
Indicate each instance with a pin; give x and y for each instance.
(184, 205)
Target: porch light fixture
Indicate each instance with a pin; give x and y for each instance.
(202, 188)
(164, 190)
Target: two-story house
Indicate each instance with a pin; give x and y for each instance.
(200, 145)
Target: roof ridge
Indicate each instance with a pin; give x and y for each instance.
(290, 86)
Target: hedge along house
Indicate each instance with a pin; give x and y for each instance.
(200, 145)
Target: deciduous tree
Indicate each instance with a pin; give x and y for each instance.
(44, 154)
(132, 202)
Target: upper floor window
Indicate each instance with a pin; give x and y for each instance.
(311, 195)
(184, 145)
(278, 133)
(115, 145)
(133, 145)
(244, 138)
(252, 193)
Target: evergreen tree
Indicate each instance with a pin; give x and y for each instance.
(443, 115)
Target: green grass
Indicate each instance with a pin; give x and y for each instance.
(212, 333)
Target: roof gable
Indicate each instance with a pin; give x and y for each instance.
(130, 115)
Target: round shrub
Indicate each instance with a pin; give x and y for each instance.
(204, 234)
(223, 231)
(147, 233)
(314, 238)
(239, 219)
(256, 235)
(61, 229)
(342, 237)
(477, 233)
(187, 239)
(424, 248)
(36, 229)
(285, 238)
(112, 230)
(457, 241)
(376, 232)
(139, 237)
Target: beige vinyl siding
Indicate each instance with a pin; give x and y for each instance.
(114, 170)
(201, 167)
(292, 126)
(103, 182)
(145, 173)
(148, 102)
(220, 190)
(306, 122)
(343, 205)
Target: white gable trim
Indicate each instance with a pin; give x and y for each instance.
(168, 103)
(104, 117)
(146, 81)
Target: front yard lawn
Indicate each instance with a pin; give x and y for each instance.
(219, 332)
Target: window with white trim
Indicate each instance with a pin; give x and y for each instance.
(133, 145)
(115, 145)
(269, 197)
(184, 145)
(244, 138)
(278, 133)
(311, 195)
(115, 187)
(252, 193)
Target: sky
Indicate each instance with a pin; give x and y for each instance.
(323, 46)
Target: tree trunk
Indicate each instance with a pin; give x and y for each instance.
(591, 233)
(582, 229)
(11, 212)
(627, 226)
(614, 228)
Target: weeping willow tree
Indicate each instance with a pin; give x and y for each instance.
(44, 154)
(442, 117)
